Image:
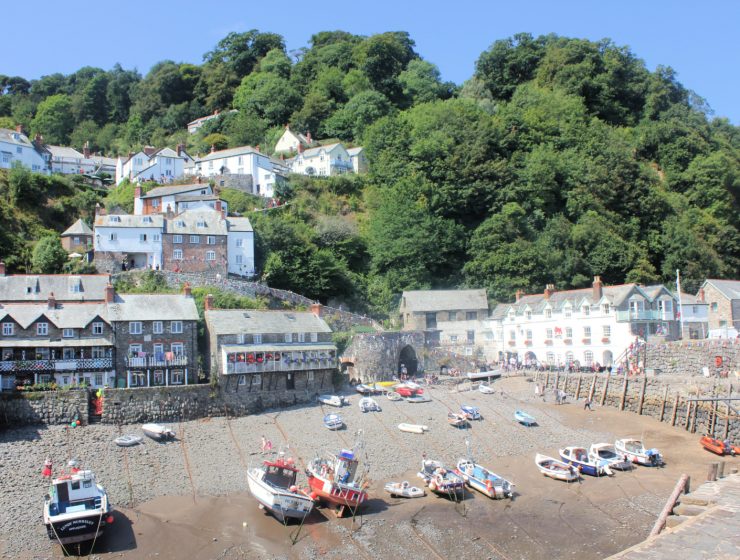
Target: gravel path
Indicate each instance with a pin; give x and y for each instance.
(210, 460)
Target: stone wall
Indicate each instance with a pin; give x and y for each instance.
(52, 407)
(668, 399)
(374, 357)
(689, 357)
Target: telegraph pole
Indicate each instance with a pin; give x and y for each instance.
(680, 305)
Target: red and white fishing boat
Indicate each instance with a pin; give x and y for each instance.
(409, 389)
(273, 485)
(336, 481)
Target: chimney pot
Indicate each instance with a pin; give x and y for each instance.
(308, 137)
(518, 295)
(19, 128)
(316, 309)
(2, 268)
(137, 191)
(208, 303)
(549, 289)
(110, 293)
(700, 295)
(597, 289)
(86, 150)
(186, 290)
(213, 148)
(51, 301)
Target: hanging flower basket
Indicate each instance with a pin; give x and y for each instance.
(605, 340)
(512, 343)
(568, 341)
(548, 341)
(586, 341)
(528, 343)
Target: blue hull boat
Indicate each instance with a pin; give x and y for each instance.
(484, 481)
(578, 457)
(333, 421)
(524, 418)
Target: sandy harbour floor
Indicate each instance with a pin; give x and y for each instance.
(189, 499)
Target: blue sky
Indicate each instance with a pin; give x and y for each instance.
(699, 40)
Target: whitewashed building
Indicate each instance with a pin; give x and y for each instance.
(17, 149)
(177, 198)
(290, 141)
(151, 164)
(582, 327)
(240, 246)
(68, 161)
(137, 239)
(359, 159)
(322, 161)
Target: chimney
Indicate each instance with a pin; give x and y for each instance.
(257, 147)
(186, 290)
(99, 210)
(2, 268)
(549, 290)
(137, 191)
(316, 309)
(308, 137)
(300, 148)
(110, 293)
(180, 149)
(208, 303)
(19, 128)
(282, 157)
(597, 289)
(169, 212)
(218, 205)
(38, 140)
(518, 295)
(86, 150)
(51, 302)
(213, 148)
(700, 295)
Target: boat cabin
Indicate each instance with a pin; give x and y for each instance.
(346, 467)
(280, 473)
(73, 493)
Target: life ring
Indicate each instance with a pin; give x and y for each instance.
(718, 361)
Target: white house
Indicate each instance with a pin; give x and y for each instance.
(359, 159)
(16, 148)
(290, 141)
(137, 239)
(197, 124)
(240, 246)
(151, 164)
(583, 327)
(244, 160)
(177, 198)
(694, 315)
(322, 161)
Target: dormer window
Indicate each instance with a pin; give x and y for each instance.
(201, 223)
(586, 310)
(605, 308)
(548, 313)
(148, 220)
(180, 223)
(528, 315)
(115, 219)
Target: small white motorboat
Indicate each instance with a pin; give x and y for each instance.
(364, 389)
(393, 396)
(158, 432)
(556, 469)
(332, 400)
(404, 490)
(457, 420)
(441, 480)
(484, 480)
(274, 485)
(485, 388)
(413, 428)
(418, 399)
(333, 421)
(607, 452)
(471, 412)
(368, 404)
(580, 459)
(128, 440)
(635, 451)
(524, 418)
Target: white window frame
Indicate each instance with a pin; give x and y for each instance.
(314, 337)
(177, 255)
(42, 329)
(177, 348)
(134, 327)
(239, 259)
(8, 329)
(568, 332)
(176, 377)
(239, 242)
(97, 328)
(195, 239)
(257, 338)
(68, 333)
(157, 327)
(177, 239)
(210, 255)
(176, 327)
(142, 238)
(113, 237)
(586, 332)
(288, 337)
(210, 240)
(607, 331)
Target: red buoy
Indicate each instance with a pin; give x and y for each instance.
(110, 519)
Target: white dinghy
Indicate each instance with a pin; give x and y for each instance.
(404, 490)
(413, 428)
(158, 432)
(128, 440)
(368, 404)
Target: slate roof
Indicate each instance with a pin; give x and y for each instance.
(7, 135)
(129, 220)
(78, 228)
(249, 321)
(314, 152)
(64, 152)
(729, 288)
(231, 152)
(152, 307)
(354, 151)
(65, 316)
(197, 222)
(239, 224)
(444, 300)
(36, 287)
(690, 299)
(176, 189)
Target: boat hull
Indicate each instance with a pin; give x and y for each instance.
(157, 433)
(335, 495)
(282, 504)
(715, 446)
(484, 481)
(647, 458)
(76, 530)
(524, 418)
(556, 469)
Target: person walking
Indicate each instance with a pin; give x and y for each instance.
(587, 404)
(266, 445)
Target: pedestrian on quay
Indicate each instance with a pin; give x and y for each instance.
(557, 396)
(587, 404)
(266, 445)
(536, 390)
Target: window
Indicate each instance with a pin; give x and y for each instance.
(452, 315)
(714, 306)
(113, 237)
(155, 237)
(588, 358)
(200, 223)
(605, 309)
(157, 327)
(548, 313)
(158, 377)
(210, 255)
(68, 353)
(586, 310)
(42, 329)
(98, 380)
(314, 337)
(568, 332)
(568, 312)
(310, 375)
(155, 203)
(6, 157)
(8, 329)
(177, 238)
(142, 237)
(529, 335)
(97, 328)
(175, 327)
(134, 349)
(158, 351)
(137, 379)
(210, 240)
(453, 338)
(195, 239)
(115, 219)
(239, 259)
(177, 348)
(512, 335)
(257, 338)
(548, 333)
(239, 242)
(75, 241)
(471, 315)
(98, 352)
(177, 254)
(134, 327)
(606, 331)
(68, 333)
(176, 377)
(242, 380)
(528, 315)
(19, 149)
(288, 337)
(586, 332)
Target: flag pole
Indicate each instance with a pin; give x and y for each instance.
(680, 305)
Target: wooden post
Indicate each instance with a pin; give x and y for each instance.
(565, 385)
(675, 411)
(642, 395)
(662, 406)
(557, 380)
(603, 394)
(688, 415)
(578, 386)
(668, 508)
(721, 470)
(696, 414)
(536, 376)
(592, 389)
(713, 420)
(712, 474)
(727, 420)
(547, 380)
(624, 393)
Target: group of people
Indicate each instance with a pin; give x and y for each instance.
(559, 394)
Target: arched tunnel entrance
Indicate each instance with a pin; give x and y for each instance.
(407, 360)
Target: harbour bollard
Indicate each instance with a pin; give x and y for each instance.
(712, 474)
(721, 471)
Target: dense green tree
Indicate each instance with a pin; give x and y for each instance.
(349, 122)
(509, 63)
(54, 119)
(421, 83)
(382, 58)
(241, 52)
(267, 96)
(48, 255)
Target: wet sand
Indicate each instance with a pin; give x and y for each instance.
(546, 518)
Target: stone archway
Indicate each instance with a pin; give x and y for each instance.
(607, 359)
(530, 358)
(347, 368)
(407, 358)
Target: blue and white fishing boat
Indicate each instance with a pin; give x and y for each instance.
(484, 481)
(441, 480)
(471, 412)
(333, 421)
(579, 458)
(524, 418)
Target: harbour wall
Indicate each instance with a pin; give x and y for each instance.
(669, 399)
(47, 407)
(715, 357)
